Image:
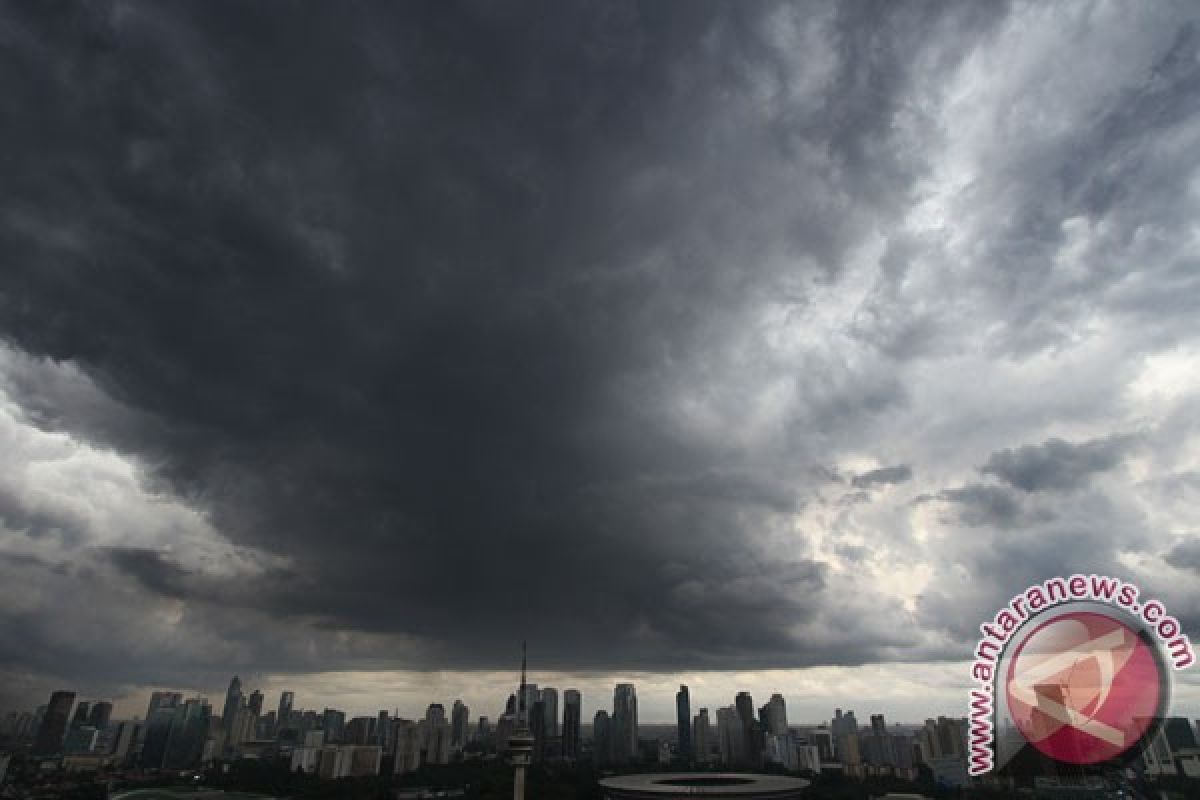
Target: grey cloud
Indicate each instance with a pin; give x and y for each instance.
(883, 476)
(483, 320)
(1185, 555)
(1057, 465)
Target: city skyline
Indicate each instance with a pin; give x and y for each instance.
(765, 347)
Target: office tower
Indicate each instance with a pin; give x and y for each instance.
(549, 697)
(537, 727)
(510, 707)
(753, 733)
(255, 703)
(408, 746)
(233, 701)
(81, 714)
(267, 725)
(520, 743)
(333, 722)
(383, 731)
(625, 724)
(53, 730)
(283, 718)
(189, 729)
(80, 739)
(163, 700)
(843, 724)
(572, 710)
(459, 720)
(123, 742)
(602, 739)
(358, 731)
(730, 736)
(823, 740)
(483, 733)
(100, 715)
(157, 729)
(683, 722)
(701, 737)
(777, 724)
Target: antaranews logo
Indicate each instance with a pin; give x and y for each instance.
(1080, 665)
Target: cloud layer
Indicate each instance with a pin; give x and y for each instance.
(671, 337)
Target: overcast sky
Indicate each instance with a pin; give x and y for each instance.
(765, 346)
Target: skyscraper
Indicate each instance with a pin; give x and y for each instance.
(81, 714)
(189, 728)
(333, 722)
(549, 698)
(459, 720)
(777, 724)
(255, 703)
(53, 729)
(283, 718)
(730, 735)
(233, 701)
(100, 715)
(701, 737)
(572, 709)
(602, 745)
(163, 700)
(753, 739)
(683, 722)
(625, 723)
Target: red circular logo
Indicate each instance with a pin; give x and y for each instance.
(1084, 687)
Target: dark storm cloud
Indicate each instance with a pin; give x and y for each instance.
(149, 568)
(1185, 555)
(882, 477)
(1056, 464)
(379, 286)
(457, 324)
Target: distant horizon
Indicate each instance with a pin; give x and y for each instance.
(766, 346)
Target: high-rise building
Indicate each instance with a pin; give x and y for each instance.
(255, 703)
(81, 714)
(753, 733)
(333, 722)
(408, 746)
(625, 724)
(549, 698)
(100, 715)
(189, 728)
(701, 737)
(163, 700)
(777, 724)
(483, 732)
(157, 730)
(459, 720)
(283, 718)
(572, 710)
(358, 731)
(730, 736)
(602, 744)
(537, 727)
(683, 722)
(233, 701)
(383, 731)
(53, 729)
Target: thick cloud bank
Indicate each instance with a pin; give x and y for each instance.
(671, 336)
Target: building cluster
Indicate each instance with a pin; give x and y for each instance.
(181, 733)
